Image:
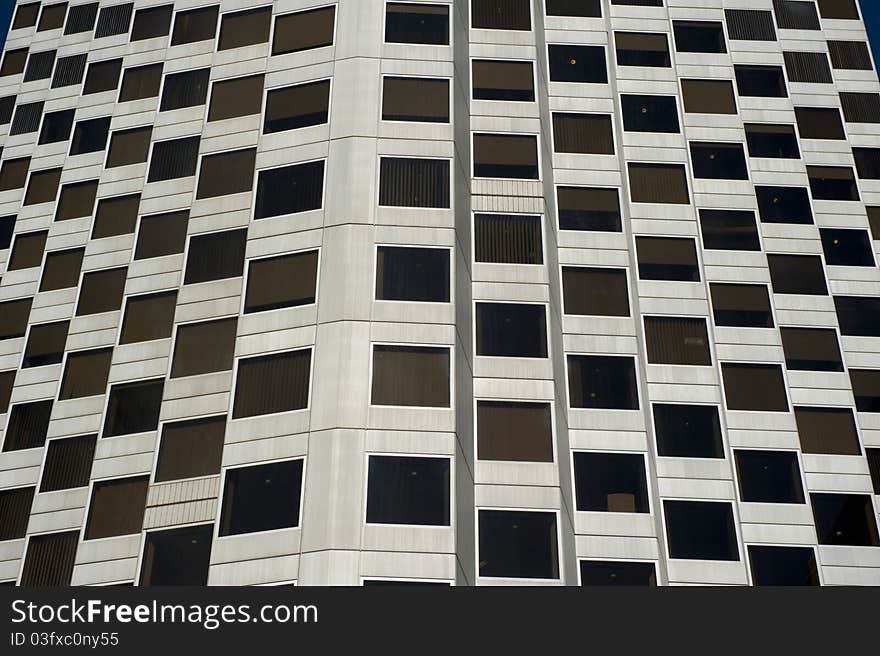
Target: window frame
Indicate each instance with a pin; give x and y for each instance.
(514, 60)
(594, 514)
(470, 19)
(448, 159)
(246, 279)
(409, 408)
(638, 386)
(450, 96)
(527, 359)
(375, 272)
(449, 30)
(302, 10)
(518, 464)
(560, 560)
(407, 454)
(279, 87)
(541, 217)
(494, 133)
(184, 10)
(255, 184)
(737, 529)
(234, 386)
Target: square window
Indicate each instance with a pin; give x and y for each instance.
(412, 274)
(27, 250)
(708, 96)
(81, 18)
(732, 230)
(611, 482)
(514, 431)
(261, 498)
(617, 572)
(274, 383)
(28, 425)
(699, 36)
(839, 9)
(784, 205)
(658, 183)
(417, 23)
(411, 182)
(571, 63)
(677, 340)
(749, 25)
(274, 186)
(687, 431)
(241, 96)
(588, 208)
(191, 448)
(45, 344)
(116, 216)
(42, 187)
(518, 544)
(26, 15)
(76, 200)
(90, 136)
(860, 107)
(508, 239)
(811, 67)
(718, 161)
(769, 476)
(151, 22)
(298, 106)
(86, 374)
(819, 123)
(13, 173)
(649, 113)
(304, 30)
(411, 376)
(833, 183)
(49, 559)
(811, 349)
(174, 159)
(845, 519)
(39, 66)
(114, 20)
(134, 407)
(796, 15)
(117, 507)
(148, 317)
(408, 490)
(227, 173)
(102, 76)
(858, 315)
(27, 119)
(141, 82)
(506, 156)
(760, 81)
(501, 15)
(215, 256)
(742, 306)
(161, 234)
(827, 430)
(850, 55)
(62, 269)
(514, 330)
(424, 100)
(495, 79)
(700, 530)
(129, 147)
(867, 163)
(195, 25)
(203, 348)
(582, 133)
(15, 510)
(281, 282)
(754, 387)
(866, 389)
(245, 28)
(602, 382)
(667, 258)
(797, 274)
(589, 291)
(767, 140)
(13, 62)
(642, 49)
(14, 318)
(68, 463)
(178, 556)
(187, 89)
(783, 566)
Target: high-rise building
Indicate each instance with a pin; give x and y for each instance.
(477, 292)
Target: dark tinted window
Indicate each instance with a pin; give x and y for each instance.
(241, 96)
(415, 99)
(141, 82)
(749, 25)
(81, 18)
(49, 559)
(733, 230)
(27, 426)
(708, 96)
(769, 476)
(649, 113)
(151, 23)
(187, 89)
(117, 507)
(413, 491)
(688, 431)
(873, 456)
(245, 28)
(761, 81)
(203, 348)
(718, 161)
(850, 55)
(813, 349)
(290, 189)
(280, 282)
(272, 383)
(52, 17)
(15, 510)
(179, 556)
(511, 330)
(129, 147)
(101, 291)
(26, 15)
(27, 250)
(7, 104)
(412, 274)
(27, 119)
(7, 381)
(744, 306)
(784, 205)
(39, 66)
(617, 572)
(819, 123)
(161, 234)
(845, 519)
(667, 258)
(641, 49)
(297, 106)
(588, 208)
(610, 482)
(68, 463)
(416, 23)
(807, 67)
(114, 20)
(783, 566)
(757, 387)
(61, 269)
(571, 63)
(582, 133)
(76, 200)
(502, 80)
(45, 344)
(860, 107)
(796, 15)
(407, 182)
(501, 14)
(148, 317)
(766, 140)
(191, 448)
(677, 340)
(866, 389)
(116, 216)
(589, 291)
(658, 183)
(227, 173)
(304, 30)
(133, 407)
(518, 544)
(858, 315)
(508, 239)
(69, 71)
(700, 530)
(102, 76)
(411, 376)
(514, 431)
(13, 62)
(195, 25)
(600, 381)
(827, 430)
(261, 498)
(839, 9)
(42, 187)
(14, 318)
(867, 163)
(90, 136)
(215, 256)
(506, 156)
(797, 274)
(14, 172)
(832, 183)
(699, 36)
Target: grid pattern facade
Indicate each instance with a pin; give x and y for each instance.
(480, 292)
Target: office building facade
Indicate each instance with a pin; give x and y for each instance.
(487, 292)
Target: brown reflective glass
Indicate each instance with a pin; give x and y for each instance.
(129, 147)
(42, 187)
(279, 282)
(304, 30)
(161, 234)
(13, 173)
(827, 430)
(582, 133)
(117, 507)
(116, 216)
(495, 79)
(202, 348)
(215, 256)
(14, 317)
(76, 200)
(49, 559)
(411, 376)
(27, 250)
(590, 291)
(148, 317)
(191, 448)
(297, 106)
(227, 173)
(757, 387)
(45, 344)
(151, 22)
(515, 431)
(813, 349)
(102, 76)
(62, 269)
(415, 99)
(195, 25)
(28, 425)
(141, 82)
(101, 291)
(245, 28)
(241, 96)
(658, 183)
(86, 374)
(272, 383)
(677, 340)
(68, 463)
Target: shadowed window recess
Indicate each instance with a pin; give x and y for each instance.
(103, 76)
(227, 173)
(845, 519)
(858, 315)
(505, 156)
(602, 382)
(811, 349)
(760, 81)
(204, 348)
(15, 510)
(27, 426)
(141, 82)
(667, 258)
(649, 113)
(304, 30)
(797, 274)
(412, 274)
(688, 431)
(755, 387)
(49, 559)
(699, 36)
(700, 530)
(151, 23)
(299, 106)
(514, 330)
(215, 256)
(129, 147)
(582, 133)
(742, 306)
(241, 96)
(261, 498)
(769, 476)
(827, 430)
(866, 389)
(195, 25)
(289, 190)
(783, 566)
(45, 344)
(610, 482)
(68, 463)
(517, 544)
(76, 200)
(160, 234)
(148, 317)
(133, 407)
(411, 182)
(245, 28)
(642, 49)
(178, 556)
(62, 269)
(749, 25)
(784, 205)
(588, 208)
(116, 216)
(409, 491)
(501, 14)
(677, 340)
(718, 161)
(572, 63)
(658, 183)
(422, 23)
(187, 89)
(708, 96)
